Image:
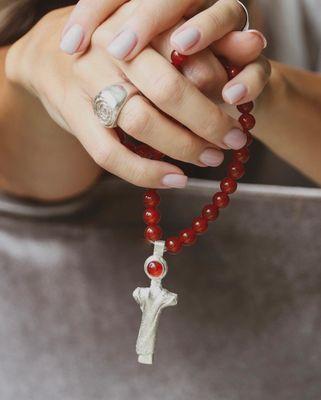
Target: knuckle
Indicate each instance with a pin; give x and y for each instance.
(188, 149)
(103, 157)
(263, 70)
(134, 117)
(169, 88)
(216, 126)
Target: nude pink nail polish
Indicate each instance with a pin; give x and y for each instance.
(175, 181)
(186, 38)
(72, 39)
(123, 44)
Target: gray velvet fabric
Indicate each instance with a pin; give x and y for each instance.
(247, 325)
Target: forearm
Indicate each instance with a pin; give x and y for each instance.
(289, 118)
(38, 159)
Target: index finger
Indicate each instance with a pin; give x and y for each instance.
(83, 21)
(209, 26)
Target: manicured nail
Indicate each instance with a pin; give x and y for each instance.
(123, 44)
(175, 181)
(260, 35)
(235, 93)
(72, 39)
(185, 39)
(212, 157)
(235, 139)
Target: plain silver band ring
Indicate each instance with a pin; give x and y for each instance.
(247, 24)
(109, 102)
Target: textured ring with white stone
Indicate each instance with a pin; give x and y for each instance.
(109, 103)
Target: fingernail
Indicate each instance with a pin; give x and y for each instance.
(234, 93)
(72, 39)
(235, 139)
(175, 181)
(123, 44)
(260, 35)
(187, 38)
(212, 157)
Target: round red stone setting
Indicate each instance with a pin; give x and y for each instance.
(155, 269)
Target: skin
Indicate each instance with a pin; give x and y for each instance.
(38, 174)
(74, 81)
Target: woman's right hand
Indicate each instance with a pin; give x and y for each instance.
(180, 122)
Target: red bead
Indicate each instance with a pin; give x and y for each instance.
(247, 121)
(200, 225)
(228, 185)
(151, 216)
(242, 155)
(210, 212)
(249, 139)
(221, 200)
(155, 269)
(187, 236)
(246, 108)
(151, 198)
(157, 155)
(236, 170)
(131, 147)
(121, 135)
(153, 233)
(173, 245)
(233, 71)
(178, 59)
(144, 151)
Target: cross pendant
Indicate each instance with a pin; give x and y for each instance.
(152, 301)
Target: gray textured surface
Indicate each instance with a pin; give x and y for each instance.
(248, 321)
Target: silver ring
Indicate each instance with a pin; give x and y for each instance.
(109, 103)
(247, 24)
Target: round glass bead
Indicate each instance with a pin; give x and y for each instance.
(246, 108)
(200, 225)
(177, 59)
(233, 71)
(221, 200)
(228, 185)
(151, 216)
(242, 155)
(153, 233)
(247, 121)
(151, 198)
(210, 212)
(173, 245)
(187, 236)
(155, 269)
(236, 170)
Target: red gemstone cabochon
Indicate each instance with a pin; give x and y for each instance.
(155, 269)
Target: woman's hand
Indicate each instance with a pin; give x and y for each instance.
(188, 127)
(218, 27)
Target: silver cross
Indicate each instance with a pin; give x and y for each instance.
(152, 301)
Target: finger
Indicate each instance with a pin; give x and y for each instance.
(149, 18)
(203, 69)
(172, 93)
(85, 18)
(144, 122)
(249, 83)
(209, 26)
(240, 48)
(115, 158)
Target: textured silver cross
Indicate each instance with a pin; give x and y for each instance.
(152, 301)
